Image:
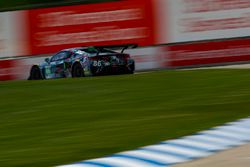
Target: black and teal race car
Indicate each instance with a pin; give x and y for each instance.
(84, 61)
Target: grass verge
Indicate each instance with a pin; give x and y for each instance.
(54, 122)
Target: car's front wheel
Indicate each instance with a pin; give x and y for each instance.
(35, 73)
(131, 68)
(77, 71)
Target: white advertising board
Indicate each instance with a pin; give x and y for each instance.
(194, 20)
(13, 39)
(146, 58)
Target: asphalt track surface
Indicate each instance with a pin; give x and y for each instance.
(237, 157)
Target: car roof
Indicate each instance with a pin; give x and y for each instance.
(73, 49)
(83, 49)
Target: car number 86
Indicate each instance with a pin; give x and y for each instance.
(97, 63)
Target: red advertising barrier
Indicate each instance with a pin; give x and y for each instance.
(210, 52)
(6, 70)
(114, 23)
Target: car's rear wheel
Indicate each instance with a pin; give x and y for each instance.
(35, 73)
(131, 68)
(77, 71)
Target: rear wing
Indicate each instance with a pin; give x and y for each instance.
(118, 47)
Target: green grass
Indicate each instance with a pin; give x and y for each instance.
(55, 122)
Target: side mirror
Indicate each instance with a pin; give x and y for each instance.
(46, 60)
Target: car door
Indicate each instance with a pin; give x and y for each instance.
(57, 63)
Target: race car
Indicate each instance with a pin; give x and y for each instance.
(84, 61)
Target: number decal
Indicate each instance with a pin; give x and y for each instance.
(97, 63)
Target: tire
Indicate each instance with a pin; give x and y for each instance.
(131, 69)
(77, 71)
(35, 73)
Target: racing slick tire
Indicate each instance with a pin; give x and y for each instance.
(35, 73)
(131, 69)
(77, 71)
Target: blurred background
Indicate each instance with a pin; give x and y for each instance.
(55, 122)
(178, 33)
